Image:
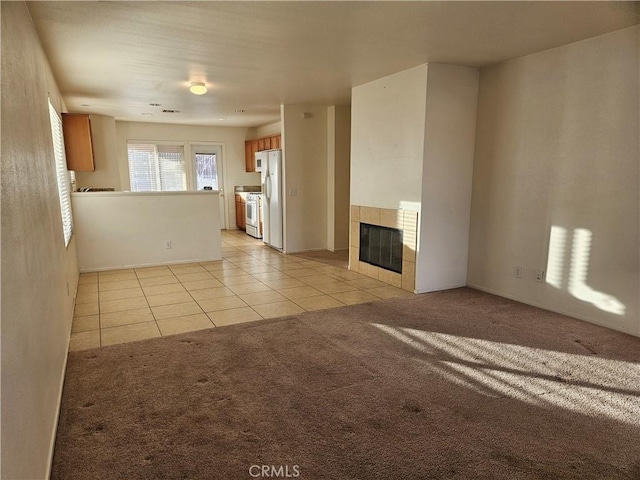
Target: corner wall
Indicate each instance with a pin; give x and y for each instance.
(447, 173)
(105, 155)
(338, 176)
(39, 275)
(555, 185)
(274, 128)
(305, 177)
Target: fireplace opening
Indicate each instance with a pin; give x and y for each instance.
(381, 246)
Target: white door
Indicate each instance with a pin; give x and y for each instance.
(208, 172)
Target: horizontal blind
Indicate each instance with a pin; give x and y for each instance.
(62, 174)
(172, 169)
(156, 167)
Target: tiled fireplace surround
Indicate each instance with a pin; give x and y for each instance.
(405, 220)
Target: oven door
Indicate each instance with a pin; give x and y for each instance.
(253, 217)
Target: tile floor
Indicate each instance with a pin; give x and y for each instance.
(250, 283)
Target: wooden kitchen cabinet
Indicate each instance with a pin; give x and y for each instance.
(76, 129)
(248, 157)
(250, 149)
(241, 213)
(257, 145)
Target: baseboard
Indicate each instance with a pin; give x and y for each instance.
(52, 443)
(439, 289)
(147, 265)
(305, 251)
(556, 310)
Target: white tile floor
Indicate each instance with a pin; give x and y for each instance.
(250, 283)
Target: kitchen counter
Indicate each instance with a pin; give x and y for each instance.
(109, 193)
(247, 189)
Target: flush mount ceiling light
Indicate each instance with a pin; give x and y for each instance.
(198, 88)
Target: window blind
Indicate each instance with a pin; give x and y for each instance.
(62, 174)
(156, 167)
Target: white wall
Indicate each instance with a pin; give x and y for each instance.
(412, 149)
(557, 146)
(387, 139)
(446, 177)
(125, 229)
(105, 155)
(274, 128)
(39, 275)
(231, 138)
(305, 169)
(338, 176)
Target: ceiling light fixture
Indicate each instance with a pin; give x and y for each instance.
(198, 88)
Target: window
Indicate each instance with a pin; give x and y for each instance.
(62, 174)
(206, 171)
(154, 168)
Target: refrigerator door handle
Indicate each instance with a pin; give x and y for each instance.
(267, 184)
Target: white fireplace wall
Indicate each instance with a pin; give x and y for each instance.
(447, 175)
(387, 140)
(412, 147)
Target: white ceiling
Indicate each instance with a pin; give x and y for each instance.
(116, 58)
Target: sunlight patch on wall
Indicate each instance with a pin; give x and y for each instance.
(555, 261)
(585, 384)
(578, 270)
(578, 286)
(410, 233)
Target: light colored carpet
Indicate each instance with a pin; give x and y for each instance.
(449, 385)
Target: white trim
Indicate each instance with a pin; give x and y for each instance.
(225, 183)
(148, 265)
(139, 194)
(573, 315)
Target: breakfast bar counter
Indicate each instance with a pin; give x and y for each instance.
(117, 230)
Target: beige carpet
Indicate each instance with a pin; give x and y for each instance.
(451, 385)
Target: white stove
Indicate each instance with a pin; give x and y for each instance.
(254, 214)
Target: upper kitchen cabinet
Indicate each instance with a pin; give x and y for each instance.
(248, 156)
(250, 149)
(77, 142)
(258, 145)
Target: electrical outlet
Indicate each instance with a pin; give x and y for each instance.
(167, 244)
(539, 275)
(293, 192)
(517, 272)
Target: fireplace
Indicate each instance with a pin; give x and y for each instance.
(381, 246)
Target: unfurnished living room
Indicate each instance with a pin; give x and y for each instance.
(320, 240)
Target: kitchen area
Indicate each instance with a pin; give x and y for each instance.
(258, 208)
(315, 177)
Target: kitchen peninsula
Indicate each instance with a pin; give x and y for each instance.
(137, 229)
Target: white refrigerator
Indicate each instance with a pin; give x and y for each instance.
(272, 197)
